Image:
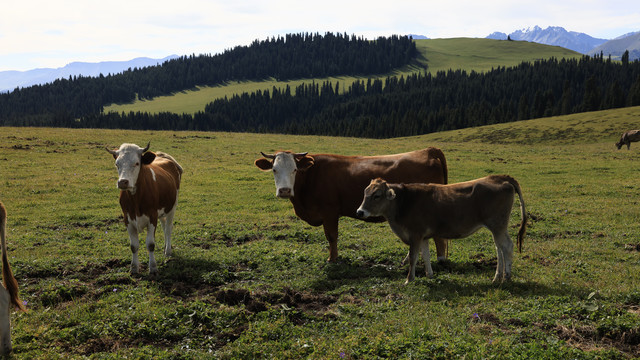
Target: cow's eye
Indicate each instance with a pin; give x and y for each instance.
(274, 171)
(376, 196)
(137, 164)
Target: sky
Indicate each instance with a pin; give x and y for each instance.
(52, 34)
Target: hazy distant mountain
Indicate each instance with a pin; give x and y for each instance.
(619, 45)
(418, 37)
(553, 35)
(9, 80)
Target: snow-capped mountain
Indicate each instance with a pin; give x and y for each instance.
(553, 35)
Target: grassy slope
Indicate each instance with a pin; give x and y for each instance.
(438, 54)
(248, 279)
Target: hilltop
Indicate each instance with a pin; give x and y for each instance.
(468, 54)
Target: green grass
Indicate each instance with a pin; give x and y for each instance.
(249, 280)
(469, 54)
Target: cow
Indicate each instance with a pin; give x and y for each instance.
(9, 292)
(627, 138)
(149, 184)
(325, 187)
(417, 212)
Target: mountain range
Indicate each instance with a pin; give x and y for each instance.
(552, 35)
(9, 80)
(580, 42)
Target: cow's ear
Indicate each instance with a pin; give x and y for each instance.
(305, 163)
(264, 164)
(148, 157)
(112, 152)
(391, 194)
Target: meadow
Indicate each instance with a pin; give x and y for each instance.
(248, 279)
(468, 54)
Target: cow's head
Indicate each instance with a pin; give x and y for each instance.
(285, 165)
(619, 144)
(129, 159)
(376, 199)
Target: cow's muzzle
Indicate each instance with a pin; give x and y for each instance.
(284, 193)
(123, 184)
(361, 213)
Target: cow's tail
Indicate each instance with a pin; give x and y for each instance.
(9, 281)
(523, 211)
(438, 154)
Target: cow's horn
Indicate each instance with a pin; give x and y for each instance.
(112, 152)
(300, 155)
(147, 148)
(268, 156)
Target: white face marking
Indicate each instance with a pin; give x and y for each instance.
(284, 172)
(128, 164)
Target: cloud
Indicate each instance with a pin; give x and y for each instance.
(40, 33)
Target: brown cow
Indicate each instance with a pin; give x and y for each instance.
(417, 212)
(8, 293)
(149, 184)
(325, 187)
(627, 138)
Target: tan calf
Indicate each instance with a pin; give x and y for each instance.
(627, 138)
(417, 212)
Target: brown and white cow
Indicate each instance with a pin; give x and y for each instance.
(627, 138)
(149, 184)
(325, 187)
(8, 293)
(417, 212)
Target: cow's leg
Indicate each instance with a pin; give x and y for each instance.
(442, 248)
(415, 245)
(406, 258)
(331, 232)
(167, 228)
(135, 244)
(507, 256)
(504, 250)
(426, 256)
(151, 247)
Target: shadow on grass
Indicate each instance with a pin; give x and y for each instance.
(446, 282)
(187, 276)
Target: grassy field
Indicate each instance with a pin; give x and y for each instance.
(249, 280)
(470, 54)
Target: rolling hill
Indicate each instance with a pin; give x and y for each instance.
(469, 54)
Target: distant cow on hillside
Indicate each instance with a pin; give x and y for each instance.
(149, 184)
(8, 293)
(627, 138)
(417, 212)
(325, 187)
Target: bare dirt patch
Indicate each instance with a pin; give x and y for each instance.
(588, 338)
(314, 304)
